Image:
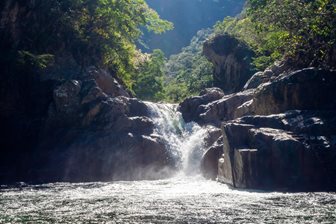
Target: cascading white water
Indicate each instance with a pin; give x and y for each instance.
(186, 140)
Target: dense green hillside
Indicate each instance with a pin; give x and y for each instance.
(188, 17)
(173, 79)
(303, 31)
(90, 32)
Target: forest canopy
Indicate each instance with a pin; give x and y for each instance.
(105, 32)
(95, 32)
(302, 30)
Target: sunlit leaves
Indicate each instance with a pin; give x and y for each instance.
(148, 82)
(300, 29)
(95, 32)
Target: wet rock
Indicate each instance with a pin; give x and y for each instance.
(116, 157)
(213, 136)
(232, 62)
(213, 143)
(209, 167)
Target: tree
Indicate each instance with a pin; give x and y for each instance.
(148, 81)
(94, 32)
(188, 72)
(303, 30)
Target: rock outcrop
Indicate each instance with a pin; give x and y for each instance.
(279, 133)
(192, 107)
(291, 151)
(232, 62)
(90, 130)
(307, 89)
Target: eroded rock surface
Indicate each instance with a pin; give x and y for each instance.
(232, 62)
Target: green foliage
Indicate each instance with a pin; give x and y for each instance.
(95, 32)
(299, 29)
(183, 75)
(189, 71)
(148, 81)
(36, 61)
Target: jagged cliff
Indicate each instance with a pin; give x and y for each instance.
(232, 62)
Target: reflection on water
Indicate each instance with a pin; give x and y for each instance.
(177, 200)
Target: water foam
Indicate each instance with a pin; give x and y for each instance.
(183, 139)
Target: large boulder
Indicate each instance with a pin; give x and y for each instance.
(107, 83)
(90, 131)
(227, 108)
(232, 62)
(213, 110)
(103, 138)
(192, 107)
(278, 68)
(209, 162)
(307, 89)
(290, 151)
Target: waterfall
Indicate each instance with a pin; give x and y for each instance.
(185, 140)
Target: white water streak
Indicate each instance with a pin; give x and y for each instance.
(184, 139)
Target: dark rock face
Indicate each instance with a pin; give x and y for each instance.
(280, 135)
(107, 83)
(226, 108)
(232, 62)
(193, 106)
(209, 167)
(307, 89)
(106, 138)
(282, 67)
(290, 151)
(90, 130)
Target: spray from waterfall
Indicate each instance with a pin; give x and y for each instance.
(185, 140)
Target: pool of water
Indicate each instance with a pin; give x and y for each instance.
(180, 199)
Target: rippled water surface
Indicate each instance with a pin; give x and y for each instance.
(177, 200)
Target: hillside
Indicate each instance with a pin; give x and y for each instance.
(188, 16)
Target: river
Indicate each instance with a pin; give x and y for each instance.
(177, 200)
(185, 198)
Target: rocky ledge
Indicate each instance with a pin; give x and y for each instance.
(278, 132)
(90, 129)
